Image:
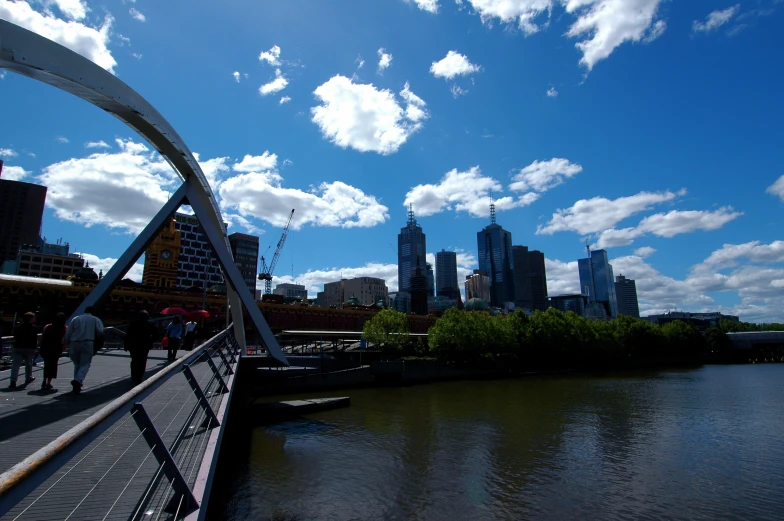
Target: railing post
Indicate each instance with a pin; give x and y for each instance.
(223, 387)
(226, 363)
(212, 419)
(165, 459)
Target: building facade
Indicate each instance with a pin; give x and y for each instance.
(626, 293)
(419, 292)
(477, 285)
(332, 296)
(411, 248)
(400, 301)
(161, 258)
(446, 274)
(576, 303)
(368, 290)
(21, 213)
(431, 279)
(597, 281)
(495, 257)
(32, 262)
(291, 291)
(196, 265)
(245, 250)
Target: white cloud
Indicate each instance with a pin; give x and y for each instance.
(467, 191)
(137, 55)
(272, 56)
(7, 152)
(314, 280)
(457, 91)
(137, 15)
(105, 264)
(96, 190)
(97, 144)
(524, 12)
(606, 24)
(541, 176)
(365, 118)
(552, 93)
(384, 60)
(284, 99)
(657, 30)
(451, 65)
(276, 85)
(14, 173)
(236, 75)
(730, 254)
(264, 162)
(73, 9)
(599, 214)
(644, 251)
(90, 42)
(360, 62)
(777, 188)
(715, 19)
(431, 6)
(213, 169)
(562, 277)
(63, 140)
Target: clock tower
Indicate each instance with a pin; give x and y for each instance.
(160, 258)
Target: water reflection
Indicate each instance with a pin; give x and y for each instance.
(701, 444)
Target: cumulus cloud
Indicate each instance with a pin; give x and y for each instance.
(14, 173)
(276, 85)
(137, 15)
(96, 190)
(525, 13)
(214, 169)
(265, 162)
(644, 251)
(236, 75)
(97, 144)
(272, 56)
(729, 255)
(467, 191)
(599, 213)
(715, 19)
(63, 140)
(7, 152)
(451, 65)
(541, 176)
(91, 42)
(606, 24)
(365, 118)
(284, 99)
(106, 263)
(552, 93)
(431, 6)
(777, 188)
(562, 277)
(384, 60)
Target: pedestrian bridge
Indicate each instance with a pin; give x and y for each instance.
(750, 339)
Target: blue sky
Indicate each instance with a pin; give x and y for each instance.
(649, 127)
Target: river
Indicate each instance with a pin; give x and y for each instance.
(694, 444)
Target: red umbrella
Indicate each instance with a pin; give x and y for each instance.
(199, 313)
(174, 311)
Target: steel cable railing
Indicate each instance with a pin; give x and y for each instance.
(110, 447)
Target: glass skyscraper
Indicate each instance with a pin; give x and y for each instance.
(446, 274)
(602, 280)
(495, 257)
(411, 248)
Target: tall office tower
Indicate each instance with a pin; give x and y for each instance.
(431, 280)
(477, 285)
(196, 261)
(411, 245)
(530, 279)
(495, 257)
(626, 293)
(21, 213)
(418, 291)
(245, 250)
(538, 279)
(161, 258)
(597, 281)
(446, 274)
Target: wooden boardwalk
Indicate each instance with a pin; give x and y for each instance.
(108, 479)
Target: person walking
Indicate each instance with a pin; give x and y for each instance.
(25, 344)
(139, 339)
(52, 343)
(174, 334)
(80, 339)
(190, 335)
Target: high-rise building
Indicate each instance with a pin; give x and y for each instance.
(367, 290)
(446, 274)
(565, 303)
(522, 280)
(626, 293)
(21, 213)
(400, 301)
(161, 258)
(196, 261)
(597, 281)
(411, 245)
(291, 291)
(477, 285)
(495, 257)
(419, 291)
(431, 280)
(332, 296)
(538, 277)
(245, 250)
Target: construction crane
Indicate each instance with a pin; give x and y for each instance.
(266, 271)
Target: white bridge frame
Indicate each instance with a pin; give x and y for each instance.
(39, 58)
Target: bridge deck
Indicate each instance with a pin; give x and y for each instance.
(99, 486)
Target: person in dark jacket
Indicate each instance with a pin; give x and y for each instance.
(138, 341)
(52, 346)
(25, 344)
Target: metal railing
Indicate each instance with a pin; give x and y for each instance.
(158, 466)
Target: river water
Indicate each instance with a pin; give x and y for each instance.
(697, 444)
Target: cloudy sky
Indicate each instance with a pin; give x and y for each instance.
(650, 128)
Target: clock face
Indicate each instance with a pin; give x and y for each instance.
(166, 254)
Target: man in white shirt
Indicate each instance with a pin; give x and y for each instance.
(190, 334)
(80, 339)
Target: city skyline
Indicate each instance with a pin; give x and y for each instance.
(597, 141)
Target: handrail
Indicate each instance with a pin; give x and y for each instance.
(25, 476)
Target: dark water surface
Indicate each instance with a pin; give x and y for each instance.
(699, 444)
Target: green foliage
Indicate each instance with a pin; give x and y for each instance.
(717, 340)
(388, 329)
(729, 326)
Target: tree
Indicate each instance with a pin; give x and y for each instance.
(388, 329)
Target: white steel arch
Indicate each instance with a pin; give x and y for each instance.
(34, 56)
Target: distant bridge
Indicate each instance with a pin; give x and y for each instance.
(751, 339)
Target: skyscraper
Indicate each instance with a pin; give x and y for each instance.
(538, 280)
(431, 280)
(530, 279)
(21, 213)
(597, 281)
(477, 285)
(626, 293)
(495, 257)
(245, 249)
(411, 245)
(418, 291)
(446, 274)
